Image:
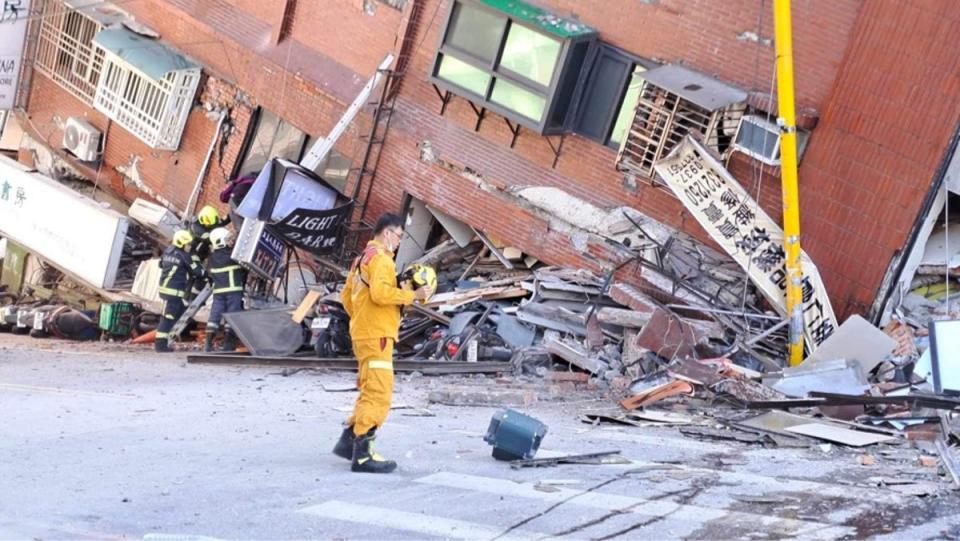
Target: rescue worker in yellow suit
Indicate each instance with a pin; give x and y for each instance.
(374, 302)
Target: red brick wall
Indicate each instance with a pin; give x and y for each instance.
(171, 175)
(854, 215)
(702, 34)
(343, 30)
(881, 139)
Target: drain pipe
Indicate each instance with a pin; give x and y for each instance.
(192, 202)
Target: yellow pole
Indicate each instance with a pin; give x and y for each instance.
(788, 167)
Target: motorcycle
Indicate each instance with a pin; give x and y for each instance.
(330, 330)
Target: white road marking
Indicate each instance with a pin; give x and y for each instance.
(420, 523)
(658, 441)
(58, 390)
(640, 506)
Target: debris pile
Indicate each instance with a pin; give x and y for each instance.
(690, 345)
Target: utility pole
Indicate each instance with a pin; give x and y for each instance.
(787, 121)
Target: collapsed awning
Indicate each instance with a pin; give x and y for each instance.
(694, 86)
(149, 56)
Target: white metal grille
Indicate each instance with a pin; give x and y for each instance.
(65, 52)
(661, 121)
(155, 111)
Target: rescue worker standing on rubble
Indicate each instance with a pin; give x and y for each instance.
(229, 280)
(374, 301)
(177, 267)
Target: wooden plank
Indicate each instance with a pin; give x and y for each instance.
(493, 249)
(456, 298)
(306, 305)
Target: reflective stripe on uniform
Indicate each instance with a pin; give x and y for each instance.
(162, 334)
(380, 365)
(163, 285)
(227, 289)
(172, 292)
(231, 277)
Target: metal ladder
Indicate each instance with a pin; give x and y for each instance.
(190, 311)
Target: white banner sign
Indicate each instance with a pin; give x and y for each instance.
(746, 232)
(13, 29)
(60, 225)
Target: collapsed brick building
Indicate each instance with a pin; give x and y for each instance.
(489, 97)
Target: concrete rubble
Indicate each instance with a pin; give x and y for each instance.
(674, 336)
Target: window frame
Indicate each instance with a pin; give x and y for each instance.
(587, 82)
(492, 68)
(250, 138)
(157, 111)
(60, 52)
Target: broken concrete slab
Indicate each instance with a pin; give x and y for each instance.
(471, 396)
(838, 376)
(632, 298)
(668, 336)
(855, 339)
(575, 355)
(695, 372)
(837, 434)
(624, 318)
(747, 391)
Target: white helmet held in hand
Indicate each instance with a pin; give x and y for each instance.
(220, 237)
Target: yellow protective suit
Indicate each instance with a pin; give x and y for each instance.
(373, 301)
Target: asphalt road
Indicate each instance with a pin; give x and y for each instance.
(103, 442)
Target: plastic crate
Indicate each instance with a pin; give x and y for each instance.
(117, 318)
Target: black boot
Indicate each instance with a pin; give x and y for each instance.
(366, 460)
(208, 343)
(344, 446)
(229, 341)
(160, 345)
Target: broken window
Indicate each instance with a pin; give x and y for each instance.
(673, 102)
(513, 58)
(759, 138)
(611, 87)
(272, 137)
(65, 51)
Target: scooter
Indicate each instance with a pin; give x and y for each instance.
(330, 330)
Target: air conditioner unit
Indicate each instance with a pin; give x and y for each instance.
(82, 139)
(759, 138)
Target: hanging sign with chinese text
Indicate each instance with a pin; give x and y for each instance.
(13, 29)
(746, 232)
(61, 225)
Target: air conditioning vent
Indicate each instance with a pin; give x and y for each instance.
(82, 139)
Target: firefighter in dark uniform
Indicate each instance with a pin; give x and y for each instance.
(229, 280)
(177, 267)
(207, 220)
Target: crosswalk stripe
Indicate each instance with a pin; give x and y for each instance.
(641, 506)
(780, 484)
(420, 523)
